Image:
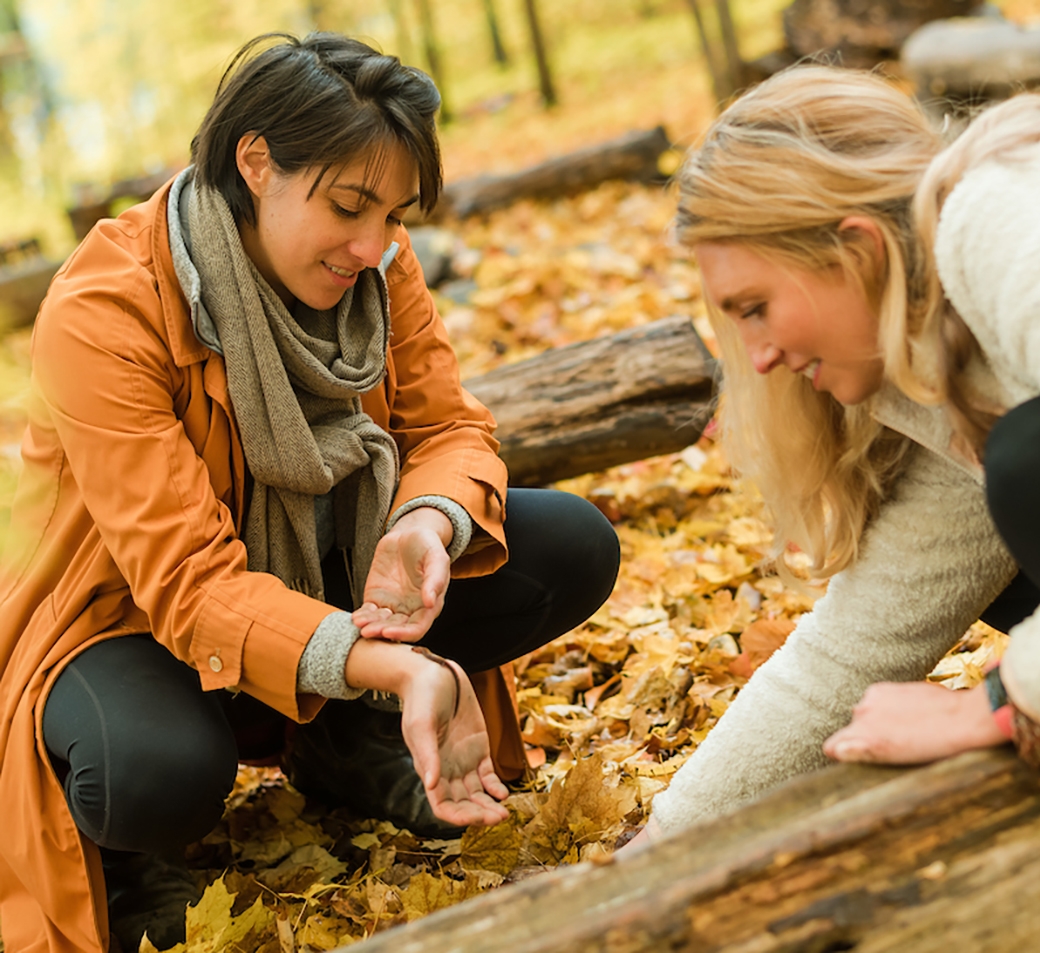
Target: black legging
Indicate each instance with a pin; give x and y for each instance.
(1012, 463)
(148, 757)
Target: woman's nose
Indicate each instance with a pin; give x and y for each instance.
(369, 246)
(764, 357)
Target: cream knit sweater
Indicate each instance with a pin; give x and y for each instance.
(930, 563)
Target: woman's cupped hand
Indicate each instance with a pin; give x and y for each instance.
(446, 734)
(408, 580)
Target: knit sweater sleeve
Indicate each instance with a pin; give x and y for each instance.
(987, 249)
(928, 565)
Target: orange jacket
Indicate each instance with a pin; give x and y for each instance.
(126, 519)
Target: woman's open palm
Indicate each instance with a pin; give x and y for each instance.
(449, 745)
(406, 585)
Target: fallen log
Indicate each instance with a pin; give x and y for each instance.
(860, 858)
(587, 406)
(633, 156)
(972, 58)
(22, 288)
(862, 32)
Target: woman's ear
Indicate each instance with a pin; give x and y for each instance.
(867, 234)
(253, 159)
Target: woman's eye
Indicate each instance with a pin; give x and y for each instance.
(344, 212)
(755, 311)
(393, 221)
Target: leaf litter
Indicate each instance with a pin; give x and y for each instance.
(611, 710)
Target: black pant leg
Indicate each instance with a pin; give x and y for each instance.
(1017, 602)
(1012, 465)
(563, 562)
(148, 757)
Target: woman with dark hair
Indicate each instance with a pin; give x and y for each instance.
(250, 466)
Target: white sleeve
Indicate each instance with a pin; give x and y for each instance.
(928, 565)
(987, 253)
(987, 248)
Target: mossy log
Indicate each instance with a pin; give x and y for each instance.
(931, 859)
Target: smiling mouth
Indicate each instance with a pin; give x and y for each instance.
(810, 369)
(342, 272)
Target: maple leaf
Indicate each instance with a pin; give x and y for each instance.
(588, 804)
(305, 866)
(496, 848)
(426, 894)
(324, 932)
(211, 928)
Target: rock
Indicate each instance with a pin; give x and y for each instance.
(862, 32)
(434, 248)
(972, 58)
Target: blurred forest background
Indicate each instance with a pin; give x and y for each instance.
(97, 91)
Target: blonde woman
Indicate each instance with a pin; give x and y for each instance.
(878, 309)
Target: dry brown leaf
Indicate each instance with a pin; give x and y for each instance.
(496, 848)
(762, 638)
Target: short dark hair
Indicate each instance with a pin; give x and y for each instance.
(318, 102)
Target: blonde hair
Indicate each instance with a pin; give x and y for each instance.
(943, 348)
(778, 172)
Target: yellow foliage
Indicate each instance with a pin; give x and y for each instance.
(496, 849)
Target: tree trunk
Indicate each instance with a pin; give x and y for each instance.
(633, 156)
(713, 56)
(860, 858)
(404, 39)
(497, 46)
(599, 403)
(545, 80)
(730, 46)
(433, 54)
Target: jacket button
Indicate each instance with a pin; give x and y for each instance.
(215, 663)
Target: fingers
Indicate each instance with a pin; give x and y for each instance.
(410, 628)
(842, 746)
(454, 803)
(379, 622)
(436, 577)
(491, 781)
(425, 751)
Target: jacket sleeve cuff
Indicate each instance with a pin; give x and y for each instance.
(1020, 664)
(323, 663)
(461, 522)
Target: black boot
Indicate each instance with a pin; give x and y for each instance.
(146, 893)
(355, 756)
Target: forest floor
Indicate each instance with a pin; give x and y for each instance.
(609, 711)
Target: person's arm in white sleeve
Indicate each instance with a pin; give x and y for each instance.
(928, 565)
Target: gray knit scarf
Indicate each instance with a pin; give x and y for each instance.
(295, 385)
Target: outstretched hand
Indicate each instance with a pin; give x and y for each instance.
(913, 723)
(445, 732)
(408, 580)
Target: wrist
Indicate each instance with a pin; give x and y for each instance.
(1000, 706)
(990, 725)
(426, 518)
(383, 666)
